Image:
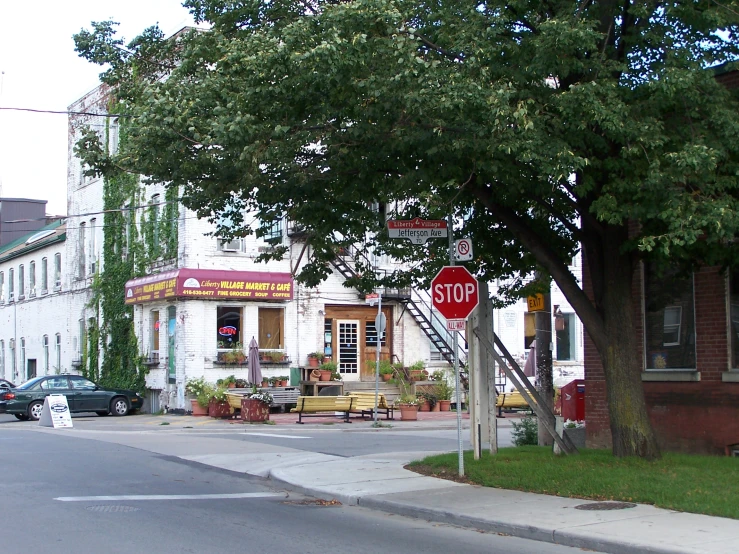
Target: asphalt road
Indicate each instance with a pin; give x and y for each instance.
(65, 494)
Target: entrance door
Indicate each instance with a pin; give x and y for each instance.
(30, 369)
(348, 349)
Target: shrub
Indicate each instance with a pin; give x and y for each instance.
(526, 432)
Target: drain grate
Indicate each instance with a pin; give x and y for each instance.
(606, 506)
(111, 509)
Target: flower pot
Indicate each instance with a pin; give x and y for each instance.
(408, 412)
(283, 383)
(232, 385)
(444, 405)
(220, 410)
(265, 384)
(197, 409)
(254, 411)
(325, 375)
(436, 407)
(386, 376)
(417, 375)
(313, 362)
(425, 406)
(315, 375)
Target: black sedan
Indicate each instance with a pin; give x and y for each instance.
(27, 400)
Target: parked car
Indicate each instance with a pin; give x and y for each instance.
(5, 384)
(27, 400)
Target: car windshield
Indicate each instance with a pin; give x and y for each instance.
(30, 384)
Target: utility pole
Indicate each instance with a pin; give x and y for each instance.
(483, 423)
(544, 360)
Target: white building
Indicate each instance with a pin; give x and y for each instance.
(195, 300)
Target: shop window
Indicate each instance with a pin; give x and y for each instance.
(155, 324)
(271, 329)
(669, 320)
(734, 314)
(565, 326)
(228, 326)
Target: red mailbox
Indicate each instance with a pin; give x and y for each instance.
(572, 396)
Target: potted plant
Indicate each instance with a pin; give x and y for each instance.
(241, 383)
(418, 372)
(429, 401)
(276, 357)
(218, 405)
(315, 359)
(444, 393)
(284, 380)
(273, 381)
(230, 382)
(408, 406)
(327, 369)
(386, 370)
(255, 406)
(194, 388)
(265, 382)
(203, 400)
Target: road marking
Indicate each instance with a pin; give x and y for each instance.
(169, 496)
(276, 435)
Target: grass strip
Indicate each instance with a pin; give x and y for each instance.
(688, 483)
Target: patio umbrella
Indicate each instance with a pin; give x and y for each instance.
(255, 372)
(529, 368)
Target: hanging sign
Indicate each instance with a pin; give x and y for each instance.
(417, 230)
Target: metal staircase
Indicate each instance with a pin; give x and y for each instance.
(418, 305)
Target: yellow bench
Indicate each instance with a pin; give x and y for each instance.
(364, 404)
(316, 406)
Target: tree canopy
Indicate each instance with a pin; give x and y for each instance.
(543, 126)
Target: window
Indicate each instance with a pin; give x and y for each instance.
(669, 320)
(23, 355)
(271, 328)
(81, 247)
(80, 383)
(273, 230)
(734, 315)
(81, 341)
(229, 245)
(13, 367)
(228, 326)
(2, 359)
(58, 353)
(370, 335)
(21, 282)
(32, 279)
(44, 276)
(2, 286)
(565, 329)
(93, 247)
(46, 354)
(55, 383)
(57, 272)
(155, 324)
(11, 285)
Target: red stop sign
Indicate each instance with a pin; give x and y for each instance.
(454, 292)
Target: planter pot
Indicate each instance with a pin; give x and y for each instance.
(232, 385)
(444, 405)
(424, 407)
(417, 375)
(325, 375)
(386, 376)
(315, 375)
(436, 407)
(219, 409)
(254, 411)
(265, 384)
(197, 409)
(408, 413)
(313, 362)
(283, 383)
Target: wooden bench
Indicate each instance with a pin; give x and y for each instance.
(513, 400)
(317, 406)
(281, 396)
(364, 404)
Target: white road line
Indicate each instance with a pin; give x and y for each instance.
(168, 496)
(276, 435)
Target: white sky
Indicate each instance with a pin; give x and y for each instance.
(41, 71)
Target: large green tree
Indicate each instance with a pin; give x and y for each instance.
(543, 126)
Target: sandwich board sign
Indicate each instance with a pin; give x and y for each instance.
(55, 412)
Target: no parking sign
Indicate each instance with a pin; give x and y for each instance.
(463, 250)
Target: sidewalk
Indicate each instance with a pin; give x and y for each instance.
(380, 482)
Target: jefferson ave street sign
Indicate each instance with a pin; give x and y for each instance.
(417, 230)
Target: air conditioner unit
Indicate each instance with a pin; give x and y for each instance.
(231, 245)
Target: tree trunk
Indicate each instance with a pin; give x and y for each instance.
(631, 429)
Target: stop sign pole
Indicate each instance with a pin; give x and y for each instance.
(460, 452)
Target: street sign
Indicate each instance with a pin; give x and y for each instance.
(417, 230)
(371, 298)
(454, 292)
(536, 302)
(463, 250)
(456, 324)
(380, 325)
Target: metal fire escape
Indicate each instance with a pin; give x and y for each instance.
(418, 305)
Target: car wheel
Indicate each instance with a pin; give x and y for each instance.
(102, 414)
(22, 417)
(119, 406)
(34, 410)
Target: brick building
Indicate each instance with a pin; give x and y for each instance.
(688, 329)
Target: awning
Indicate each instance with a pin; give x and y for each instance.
(210, 284)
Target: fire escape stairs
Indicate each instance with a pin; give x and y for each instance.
(413, 308)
